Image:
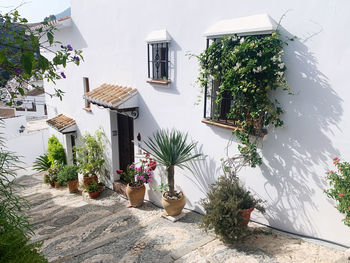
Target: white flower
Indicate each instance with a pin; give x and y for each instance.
(280, 73)
(259, 54)
(242, 40)
(234, 38)
(237, 66)
(281, 65)
(216, 67)
(274, 58)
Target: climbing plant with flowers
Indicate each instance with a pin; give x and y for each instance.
(339, 181)
(247, 68)
(139, 173)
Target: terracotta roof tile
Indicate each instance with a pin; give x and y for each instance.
(61, 122)
(110, 95)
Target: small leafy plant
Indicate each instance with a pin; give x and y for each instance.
(42, 163)
(68, 173)
(223, 207)
(339, 190)
(92, 187)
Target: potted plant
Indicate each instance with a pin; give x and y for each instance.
(170, 148)
(52, 177)
(69, 174)
(90, 157)
(228, 206)
(42, 164)
(137, 175)
(93, 189)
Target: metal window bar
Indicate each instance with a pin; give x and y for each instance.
(159, 60)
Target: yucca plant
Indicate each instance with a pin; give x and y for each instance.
(170, 148)
(42, 163)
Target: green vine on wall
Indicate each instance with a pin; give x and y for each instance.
(248, 68)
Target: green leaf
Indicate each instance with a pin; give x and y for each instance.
(21, 91)
(27, 62)
(43, 62)
(50, 37)
(3, 57)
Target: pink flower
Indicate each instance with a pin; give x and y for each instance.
(119, 171)
(131, 166)
(340, 168)
(326, 172)
(149, 180)
(137, 177)
(341, 195)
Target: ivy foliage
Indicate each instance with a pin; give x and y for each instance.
(247, 69)
(55, 150)
(339, 189)
(20, 59)
(223, 209)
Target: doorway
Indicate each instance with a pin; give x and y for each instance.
(125, 141)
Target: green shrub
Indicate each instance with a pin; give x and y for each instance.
(14, 246)
(68, 173)
(223, 209)
(55, 150)
(52, 175)
(90, 157)
(42, 163)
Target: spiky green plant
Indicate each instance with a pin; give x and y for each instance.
(170, 148)
(42, 163)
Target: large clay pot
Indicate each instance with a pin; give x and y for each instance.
(94, 194)
(73, 186)
(173, 207)
(246, 215)
(135, 195)
(89, 179)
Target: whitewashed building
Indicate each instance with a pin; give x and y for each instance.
(126, 95)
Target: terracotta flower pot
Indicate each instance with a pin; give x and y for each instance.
(94, 194)
(57, 184)
(246, 215)
(173, 207)
(135, 195)
(89, 179)
(73, 186)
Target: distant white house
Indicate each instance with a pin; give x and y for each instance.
(32, 105)
(137, 77)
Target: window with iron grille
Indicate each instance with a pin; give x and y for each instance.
(158, 61)
(213, 110)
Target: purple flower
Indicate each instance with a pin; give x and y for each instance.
(138, 169)
(69, 47)
(76, 58)
(63, 75)
(18, 71)
(149, 174)
(137, 177)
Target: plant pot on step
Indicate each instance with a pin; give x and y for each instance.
(94, 195)
(246, 215)
(73, 186)
(89, 179)
(135, 194)
(173, 207)
(57, 184)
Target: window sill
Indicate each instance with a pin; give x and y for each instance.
(87, 109)
(160, 82)
(262, 133)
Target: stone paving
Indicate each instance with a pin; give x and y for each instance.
(74, 228)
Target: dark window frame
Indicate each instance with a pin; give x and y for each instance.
(158, 61)
(86, 89)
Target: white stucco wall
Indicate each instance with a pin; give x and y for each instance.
(317, 127)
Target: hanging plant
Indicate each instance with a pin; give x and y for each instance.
(246, 69)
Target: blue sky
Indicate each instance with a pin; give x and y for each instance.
(35, 10)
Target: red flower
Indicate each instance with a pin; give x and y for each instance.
(341, 195)
(147, 154)
(340, 168)
(336, 161)
(349, 208)
(326, 172)
(119, 171)
(335, 158)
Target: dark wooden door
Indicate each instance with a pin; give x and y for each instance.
(125, 140)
